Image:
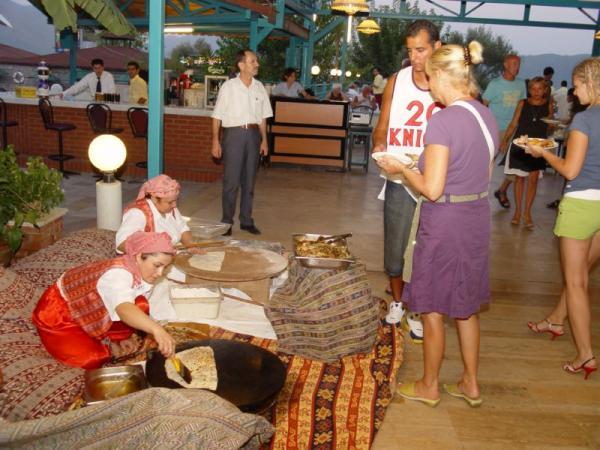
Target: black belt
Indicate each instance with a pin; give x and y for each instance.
(246, 126)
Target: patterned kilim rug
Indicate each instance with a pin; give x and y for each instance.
(332, 406)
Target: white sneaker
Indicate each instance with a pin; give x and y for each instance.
(412, 324)
(395, 313)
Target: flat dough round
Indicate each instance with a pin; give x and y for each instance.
(201, 363)
(211, 261)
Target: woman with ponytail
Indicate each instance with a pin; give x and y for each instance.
(447, 265)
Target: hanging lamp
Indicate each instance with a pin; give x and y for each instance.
(368, 26)
(350, 7)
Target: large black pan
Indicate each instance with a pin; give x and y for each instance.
(249, 376)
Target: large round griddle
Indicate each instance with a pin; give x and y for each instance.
(250, 377)
(240, 264)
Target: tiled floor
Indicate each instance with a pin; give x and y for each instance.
(529, 402)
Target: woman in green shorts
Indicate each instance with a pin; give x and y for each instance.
(578, 221)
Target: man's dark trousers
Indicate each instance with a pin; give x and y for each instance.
(240, 156)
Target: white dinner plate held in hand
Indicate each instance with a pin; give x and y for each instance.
(547, 144)
(402, 158)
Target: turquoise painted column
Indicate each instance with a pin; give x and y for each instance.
(308, 49)
(68, 39)
(344, 57)
(291, 53)
(156, 105)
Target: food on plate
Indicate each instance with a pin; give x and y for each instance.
(210, 261)
(314, 249)
(201, 363)
(525, 140)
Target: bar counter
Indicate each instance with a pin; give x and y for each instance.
(187, 137)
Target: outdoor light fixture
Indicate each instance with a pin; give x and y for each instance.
(338, 72)
(107, 153)
(333, 72)
(358, 75)
(348, 74)
(315, 70)
(178, 30)
(350, 7)
(349, 30)
(368, 26)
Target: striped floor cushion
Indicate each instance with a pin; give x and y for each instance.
(324, 314)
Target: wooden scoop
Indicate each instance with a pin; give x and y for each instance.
(181, 369)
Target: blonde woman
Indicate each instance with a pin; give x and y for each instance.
(578, 221)
(450, 267)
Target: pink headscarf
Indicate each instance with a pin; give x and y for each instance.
(145, 242)
(160, 186)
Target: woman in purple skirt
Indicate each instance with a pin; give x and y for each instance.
(450, 251)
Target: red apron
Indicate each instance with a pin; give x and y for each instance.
(67, 341)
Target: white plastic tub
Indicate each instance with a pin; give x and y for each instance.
(194, 302)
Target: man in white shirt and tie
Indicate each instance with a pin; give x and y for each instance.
(242, 110)
(98, 81)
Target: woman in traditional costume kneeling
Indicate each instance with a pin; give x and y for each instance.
(155, 209)
(86, 318)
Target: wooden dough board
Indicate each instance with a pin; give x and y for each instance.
(240, 264)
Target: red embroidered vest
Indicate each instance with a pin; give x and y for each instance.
(82, 298)
(144, 207)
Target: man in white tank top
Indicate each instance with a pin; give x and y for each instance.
(406, 108)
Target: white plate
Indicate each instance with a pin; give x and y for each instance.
(555, 122)
(524, 147)
(402, 158)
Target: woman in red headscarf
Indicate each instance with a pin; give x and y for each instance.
(155, 209)
(86, 317)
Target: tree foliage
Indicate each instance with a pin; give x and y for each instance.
(271, 55)
(387, 48)
(495, 48)
(199, 48)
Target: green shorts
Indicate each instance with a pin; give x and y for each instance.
(577, 218)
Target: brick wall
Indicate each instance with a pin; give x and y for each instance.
(186, 149)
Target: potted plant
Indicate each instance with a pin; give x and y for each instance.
(26, 195)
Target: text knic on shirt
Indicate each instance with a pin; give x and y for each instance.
(411, 135)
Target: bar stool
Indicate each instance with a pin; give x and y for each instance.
(138, 121)
(5, 123)
(359, 134)
(100, 117)
(48, 117)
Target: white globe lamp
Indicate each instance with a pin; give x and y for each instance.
(333, 72)
(107, 153)
(338, 72)
(315, 70)
(348, 74)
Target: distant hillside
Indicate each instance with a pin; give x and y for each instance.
(533, 65)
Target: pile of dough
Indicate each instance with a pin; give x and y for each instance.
(211, 261)
(201, 363)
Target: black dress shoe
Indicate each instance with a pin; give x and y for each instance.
(228, 232)
(250, 229)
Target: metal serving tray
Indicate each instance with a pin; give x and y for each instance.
(319, 263)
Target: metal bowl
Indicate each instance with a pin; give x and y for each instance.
(112, 382)
(207, 229)
(320, 263)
